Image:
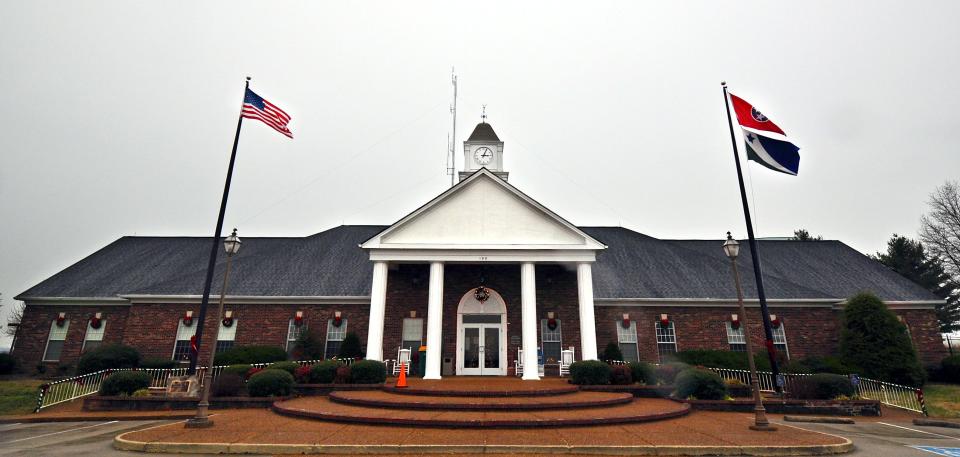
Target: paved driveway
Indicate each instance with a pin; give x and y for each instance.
(894, 439)
(85, 439)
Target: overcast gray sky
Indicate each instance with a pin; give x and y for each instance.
(117, 117)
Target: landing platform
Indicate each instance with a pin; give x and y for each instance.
(483, 386)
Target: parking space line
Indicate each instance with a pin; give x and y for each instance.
(61, 431)
(921, 431)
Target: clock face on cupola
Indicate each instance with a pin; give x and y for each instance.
(483, 149)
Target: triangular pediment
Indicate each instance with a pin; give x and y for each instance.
(483, 212)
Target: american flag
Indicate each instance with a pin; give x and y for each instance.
(255, 107)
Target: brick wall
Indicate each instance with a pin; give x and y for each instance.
(35, 328)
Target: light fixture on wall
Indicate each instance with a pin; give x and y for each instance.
(227, 318)
(413, 314)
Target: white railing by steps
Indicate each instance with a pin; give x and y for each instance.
(67, 389)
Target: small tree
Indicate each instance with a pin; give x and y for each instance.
(612, 352)
(804, 235)
(350, 347)
(909, 258)
(876, 343)
(309, 345)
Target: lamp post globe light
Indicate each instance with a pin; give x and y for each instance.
(231, 245)
(732, 249)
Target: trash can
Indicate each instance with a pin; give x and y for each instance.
(422, 361)
(447, 366)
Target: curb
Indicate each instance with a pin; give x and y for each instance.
(143, 417)
(819, 420)
(936, 423)
(120, 443)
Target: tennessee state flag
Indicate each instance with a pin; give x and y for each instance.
(760, 135)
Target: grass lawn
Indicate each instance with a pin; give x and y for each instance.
(18, 396)
(943, 400)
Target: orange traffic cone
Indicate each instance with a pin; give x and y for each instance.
(402, 380)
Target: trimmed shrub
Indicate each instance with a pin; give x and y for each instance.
(323, 372)
(873, 340)
(700, 384)
(239, 370)
(289, 367)
(612, 352)
(250, 354)
(310, 345)
(227, 385)
(124, 383)
(643, 373)
(827, 364)
(666, 373)
(158, 363)
(270, 383)
(141, 393)
(350, 347)
(108, 356)
(950, 369)
(7, 363)
(621, 375)
(590, 372)
(343, 375)
(714, 359)
(302, 374)
(368, 372)
(822, 386)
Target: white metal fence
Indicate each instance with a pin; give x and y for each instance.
(75, 387)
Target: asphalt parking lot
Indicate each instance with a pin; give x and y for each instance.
(894, 439)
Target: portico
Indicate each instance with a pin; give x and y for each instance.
(483, 222)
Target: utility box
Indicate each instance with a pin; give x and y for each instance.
(422, 361)
(447, 366)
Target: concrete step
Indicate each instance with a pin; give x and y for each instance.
(392, 400)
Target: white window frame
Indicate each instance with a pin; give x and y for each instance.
(94, 334)
(56, 334)
(551, 336)
(181, 331)
(293, 333)
(780, 339)
(334, 334)
(665, 337)
(409, 326)
(225, 334)
(735, 337)
(628, 336)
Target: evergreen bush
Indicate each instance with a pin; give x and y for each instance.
(7, 363)
(323, 372)
(124, 383)
(700, 384)
(666, 373)
(106, 357)
(250, 354)
(289, 367)
(643, 372)
(873, 340)
(302, 374)
(821, 386)
(368, 372)
(950, 369)
(227, 385)
(343, 375)
(612, 352)
(621, 375)
(270, 383)
(309, 346)
(240, 369)
(159, 363)
(590, 372)
(350, 347)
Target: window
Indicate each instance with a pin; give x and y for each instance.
(55, 341)
(735, 338)
(94, 336)
(550, 341)
(334, 338)
(627, 337)
(293, 334)
(780, 340)
(181, 349)
(226, 335)
(666, 339)
(412, 334)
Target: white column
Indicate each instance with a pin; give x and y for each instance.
(588, 325)
(378, 309)
(528, 305)
(434, 321)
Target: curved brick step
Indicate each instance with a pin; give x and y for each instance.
(381, 399)
(643, 410)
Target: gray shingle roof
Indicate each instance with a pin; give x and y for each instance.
(331, 263)
(483, 132)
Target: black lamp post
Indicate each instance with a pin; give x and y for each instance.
(231, 245)
(732, 248)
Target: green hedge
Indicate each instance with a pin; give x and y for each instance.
(950, 369)
(289, 367)
(107, 357)
(590, 372)
(612, 353)
(251, 354)
(227, 385)
(323, 372)
(240, 369)
(368, 372)
(700, 384)
(666, 373)
(350, 347)
(158, 363)
(643, 372)
(872, 339)
(822, 386)
(621, 375)
(7, 363)
(124, 383)
(270, 383)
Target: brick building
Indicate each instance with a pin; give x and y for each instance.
(476, 274)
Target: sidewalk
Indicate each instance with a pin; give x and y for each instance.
(72, 412)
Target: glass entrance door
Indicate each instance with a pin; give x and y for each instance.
(481, 349)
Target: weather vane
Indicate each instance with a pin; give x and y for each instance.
(483, 115)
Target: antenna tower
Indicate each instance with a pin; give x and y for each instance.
(452, 139)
